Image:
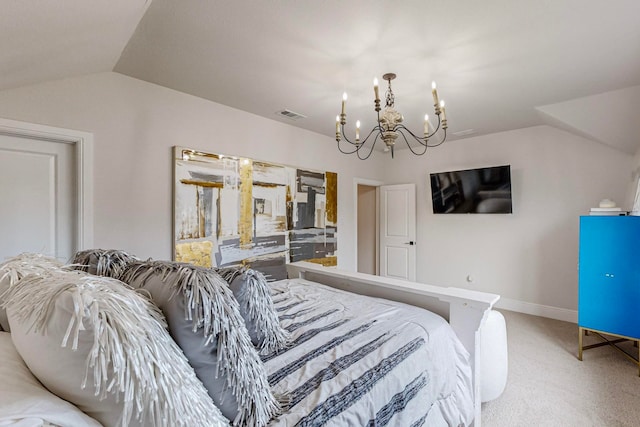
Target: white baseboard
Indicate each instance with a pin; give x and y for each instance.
(538, 310)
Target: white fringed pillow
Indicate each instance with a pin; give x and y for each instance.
(251, 290)
(14, 269)
(102, 262)
(204, 320)
(100, 345)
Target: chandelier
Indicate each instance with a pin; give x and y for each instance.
(389, 126)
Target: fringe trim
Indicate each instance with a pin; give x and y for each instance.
(22, 265)
(261, 310)
(109, 262)
(229, 274)
(129, 337)
(213, 310)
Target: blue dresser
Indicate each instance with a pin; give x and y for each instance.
(609, 280)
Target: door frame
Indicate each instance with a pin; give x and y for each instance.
(83, 150)
(371, 183)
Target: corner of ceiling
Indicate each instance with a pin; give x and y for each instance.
(608, 118)
(551, 120)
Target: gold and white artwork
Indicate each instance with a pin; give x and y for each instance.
(231, 211)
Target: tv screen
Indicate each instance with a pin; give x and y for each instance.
(483, 190)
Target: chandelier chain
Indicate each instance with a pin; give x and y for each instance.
(390, 98)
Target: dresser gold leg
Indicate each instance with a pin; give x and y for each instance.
(580, 332)
(605, 340)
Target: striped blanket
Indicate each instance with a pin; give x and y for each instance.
(361, 361)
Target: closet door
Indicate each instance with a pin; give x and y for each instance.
(398, 231)
(37, 193)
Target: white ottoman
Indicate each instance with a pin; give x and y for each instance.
(494, 363)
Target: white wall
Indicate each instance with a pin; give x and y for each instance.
(135, 124)
(528, 257)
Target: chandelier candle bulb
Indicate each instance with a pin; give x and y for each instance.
(358, 130)
(444, 116)
(375, 88)
(344, 100)
(337, 125)
(426, 125)
(434, 92)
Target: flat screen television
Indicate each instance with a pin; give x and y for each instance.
(483, 190)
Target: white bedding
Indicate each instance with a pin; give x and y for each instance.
(24, 402)
(356, 361)
(366, 361)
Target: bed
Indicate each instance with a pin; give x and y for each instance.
(365, 361)
(364, 351)
(466, 311)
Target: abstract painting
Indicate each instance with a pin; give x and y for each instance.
(233, 211)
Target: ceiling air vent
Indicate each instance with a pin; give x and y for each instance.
(290, 115)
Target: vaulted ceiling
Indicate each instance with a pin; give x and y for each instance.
(499, 64)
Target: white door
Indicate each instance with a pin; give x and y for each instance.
(37, 197)
(398, 231)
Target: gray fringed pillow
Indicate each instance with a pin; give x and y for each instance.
(251, 290)
(18, 267)
(102, 262)
(102, 346)
(205, 321)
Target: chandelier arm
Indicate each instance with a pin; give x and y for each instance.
(344, 136)
(444, 138)
(409, 145)
(371, 150)
(362, 142)
(432, 133)
(424, 141)
(436, 129)
(378, 126)
(359, 146)
(346, 152)
(421, 140)
(370, 133)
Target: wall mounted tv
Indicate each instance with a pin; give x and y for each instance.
(483, 190)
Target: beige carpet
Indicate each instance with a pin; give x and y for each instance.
(549, 386)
